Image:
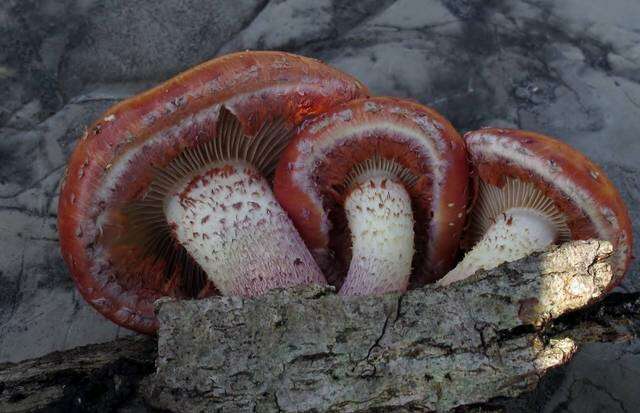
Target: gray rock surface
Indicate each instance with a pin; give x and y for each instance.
(570, 69)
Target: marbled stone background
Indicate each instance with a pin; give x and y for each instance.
(569, 68)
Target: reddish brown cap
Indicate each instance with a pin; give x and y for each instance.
(318, 160)
(579, 188)
(118, 157)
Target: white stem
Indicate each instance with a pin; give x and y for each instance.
(228, 220)
(381, 223)
(515, 234)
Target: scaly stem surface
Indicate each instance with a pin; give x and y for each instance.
(381, 223)
(515, 234)
(228, 220)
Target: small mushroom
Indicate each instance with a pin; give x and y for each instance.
(168, 193)
(371, 182)
(534, 191)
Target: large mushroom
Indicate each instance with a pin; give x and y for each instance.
(369, 183)
(168, 193)
(534, 191)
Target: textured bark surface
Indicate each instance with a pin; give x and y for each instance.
(98, 377)
(432, 348)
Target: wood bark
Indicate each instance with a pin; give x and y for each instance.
(94, 378)
(310, 350)
(433, 348)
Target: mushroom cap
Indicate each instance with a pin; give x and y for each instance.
(318, 160)
(578, 187)
(115, 161)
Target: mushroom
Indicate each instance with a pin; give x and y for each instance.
(379, 186)
(534, 191)
(168, 193)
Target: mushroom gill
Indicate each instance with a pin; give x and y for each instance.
(212, 212)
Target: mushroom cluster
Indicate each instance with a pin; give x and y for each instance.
(261, 170)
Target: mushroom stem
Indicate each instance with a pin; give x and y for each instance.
(515, 234)
(381, 223)
(226, 217)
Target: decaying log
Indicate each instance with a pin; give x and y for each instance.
(94, 378)
(309, 349)
(430, 349)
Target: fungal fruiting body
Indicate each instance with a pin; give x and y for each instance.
(534, 191)
(376, 187)
(134, 212)
(222, 211)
